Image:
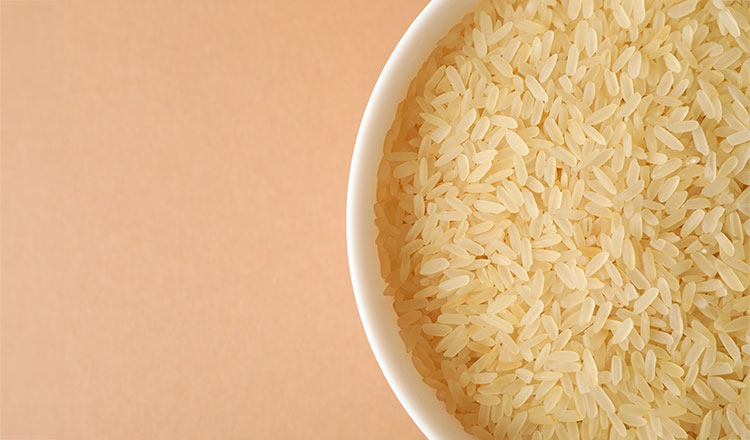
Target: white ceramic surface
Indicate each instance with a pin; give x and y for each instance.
(376, 310)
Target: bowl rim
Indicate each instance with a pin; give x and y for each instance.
(419, 400)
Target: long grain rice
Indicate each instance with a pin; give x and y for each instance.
(563, 215)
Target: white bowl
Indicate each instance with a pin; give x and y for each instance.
(375, 309)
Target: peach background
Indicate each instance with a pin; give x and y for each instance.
(173, 191)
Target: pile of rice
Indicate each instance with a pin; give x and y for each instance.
(563, 215)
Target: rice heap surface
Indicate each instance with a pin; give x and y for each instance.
(563, 221)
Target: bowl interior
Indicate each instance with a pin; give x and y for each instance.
(375, 309)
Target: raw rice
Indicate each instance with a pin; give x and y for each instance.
(563, 215)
